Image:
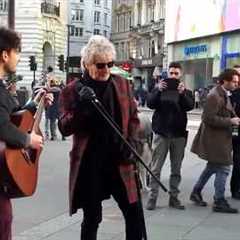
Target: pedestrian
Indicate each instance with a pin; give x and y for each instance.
(213, 141)
(101, 164)
(52, 112)
(235, 178)
(47, 82)
(10, 45)
(169, 123)
(196, 99)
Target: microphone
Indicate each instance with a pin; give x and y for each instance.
(85, 93)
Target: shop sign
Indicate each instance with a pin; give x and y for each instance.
(195, 49)
(147, 62)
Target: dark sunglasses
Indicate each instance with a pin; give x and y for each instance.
(174, 73)
(103, 65)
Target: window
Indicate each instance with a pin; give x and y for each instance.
(122, 50)
(150, 13)
(97, 17)
(78, 32)
(77, 14)
(3, 5)
(105, 33)
(96, 32)
(81, 1)
(105, 3)
(97, 2)
(117, 50)
(105, 18)
(118, 23)
(72, 30)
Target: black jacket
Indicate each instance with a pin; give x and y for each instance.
(235, 100)
(170, 117)
(9, 133)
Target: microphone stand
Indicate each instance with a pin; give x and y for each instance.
(100, 108)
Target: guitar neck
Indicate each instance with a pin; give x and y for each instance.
(38, 114)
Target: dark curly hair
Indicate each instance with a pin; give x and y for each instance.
(175, 65)
(9, 40)
(227, 75)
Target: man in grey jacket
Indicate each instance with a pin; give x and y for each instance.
(213, 141)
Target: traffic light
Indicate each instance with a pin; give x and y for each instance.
(32, 63)
(61, 62)
(66, 66)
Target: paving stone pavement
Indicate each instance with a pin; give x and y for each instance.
(194, 223)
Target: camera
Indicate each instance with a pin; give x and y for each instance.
(172, 83)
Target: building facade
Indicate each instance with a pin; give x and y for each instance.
(138, 34)
(42, 26)
(86, 18)
(203, 47)
(122, 22)
(3, 12)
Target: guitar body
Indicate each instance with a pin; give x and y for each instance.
(19, 167)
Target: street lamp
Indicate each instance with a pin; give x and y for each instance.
(69, 26)
(11, 14)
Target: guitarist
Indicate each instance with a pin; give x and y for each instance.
(10, 45)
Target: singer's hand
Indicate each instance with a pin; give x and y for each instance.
(86, 94)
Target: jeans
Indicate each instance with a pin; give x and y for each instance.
(92, 215)
(176, 148)
(53, 127)
(221, 173)
(5, 218)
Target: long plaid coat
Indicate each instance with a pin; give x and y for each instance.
(71, 123)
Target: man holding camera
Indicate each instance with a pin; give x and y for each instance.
(171, 101)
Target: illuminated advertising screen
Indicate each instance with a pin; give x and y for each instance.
(186, 19)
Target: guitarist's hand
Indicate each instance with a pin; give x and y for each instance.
(36, 141)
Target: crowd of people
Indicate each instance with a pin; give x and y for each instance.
(102, 165)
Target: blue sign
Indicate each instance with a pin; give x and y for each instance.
(195, 49)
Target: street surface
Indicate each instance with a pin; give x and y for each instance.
(45, 215)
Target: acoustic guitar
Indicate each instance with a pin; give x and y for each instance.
(19, 167)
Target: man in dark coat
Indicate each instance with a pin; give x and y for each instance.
(10, 135)
(235, 178)
(213, 141)
(100, 163)
(169, 124)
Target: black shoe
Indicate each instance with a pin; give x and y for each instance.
(63, 138)
(222, 206)
(175, 203)
(236, 195)
(196, 197)
(151, 204)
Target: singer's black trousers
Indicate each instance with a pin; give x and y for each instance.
(92, 215)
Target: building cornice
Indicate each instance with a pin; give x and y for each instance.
(123, 8)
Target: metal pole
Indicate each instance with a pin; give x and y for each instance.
(34, 77)
(68, 47)
(11, 14)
